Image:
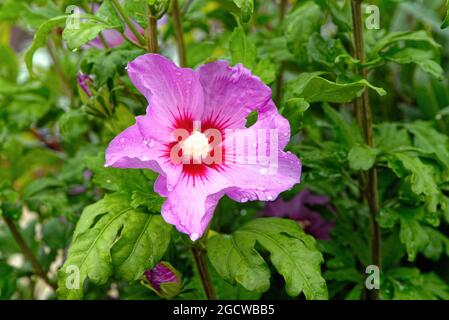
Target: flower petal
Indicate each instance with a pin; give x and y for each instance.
(131, 150)
(256, 182)
(190, 206)
(271, 119)
(231, 93)
(173, 93)
(255, 164)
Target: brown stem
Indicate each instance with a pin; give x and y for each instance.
(53, 145)
(199, 256)
(37, 268)
(365, 122)
(152, 34)
(177, 22)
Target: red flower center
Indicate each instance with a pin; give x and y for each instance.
(197, 145)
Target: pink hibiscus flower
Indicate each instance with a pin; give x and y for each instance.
(194, 135)
(299, 209)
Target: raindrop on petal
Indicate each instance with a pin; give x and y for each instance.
(194, 236)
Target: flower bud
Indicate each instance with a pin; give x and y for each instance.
(158, 7)
(84, 80)
(164, 279)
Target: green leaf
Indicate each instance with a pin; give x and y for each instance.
(388, 137)
(142, 243)
(138, 11)
(397, 37)
(341, 14)
(242, 50)
(387, 218)
(420, 57)
(246, 7)
(87, 31)
(328, 52)
(413, 236)
(314, 88)
(56, 234)
(89, 254)
(149, 200)
(236, 261)
(292, 252)
(418, 175)
(438, 244)
(111, 237)
(431, 94)
(39, 185)
(123, 180)
(293, 110)
(107, 63)
(410, 284)
(73, 125)
(299, 25)
(412, 233)
(445, 23)
(344, 131)
(430, 140)
(9, 66)
(40, 39)
(108, 13)
(266, 71)
(362, 157)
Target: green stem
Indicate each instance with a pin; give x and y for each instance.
(364, 119)
(199, 257)
(59, 72)
(37, 268)
(103, 41)
(179, 35)
(152, 34)
(128, 21)
(280, 78)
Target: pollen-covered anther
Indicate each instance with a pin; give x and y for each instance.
(196, 146)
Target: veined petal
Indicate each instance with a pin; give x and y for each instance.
(231, 93)
(173, 93)
(271, 119)
(191, 204)
(131, 150)
(260, 182)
